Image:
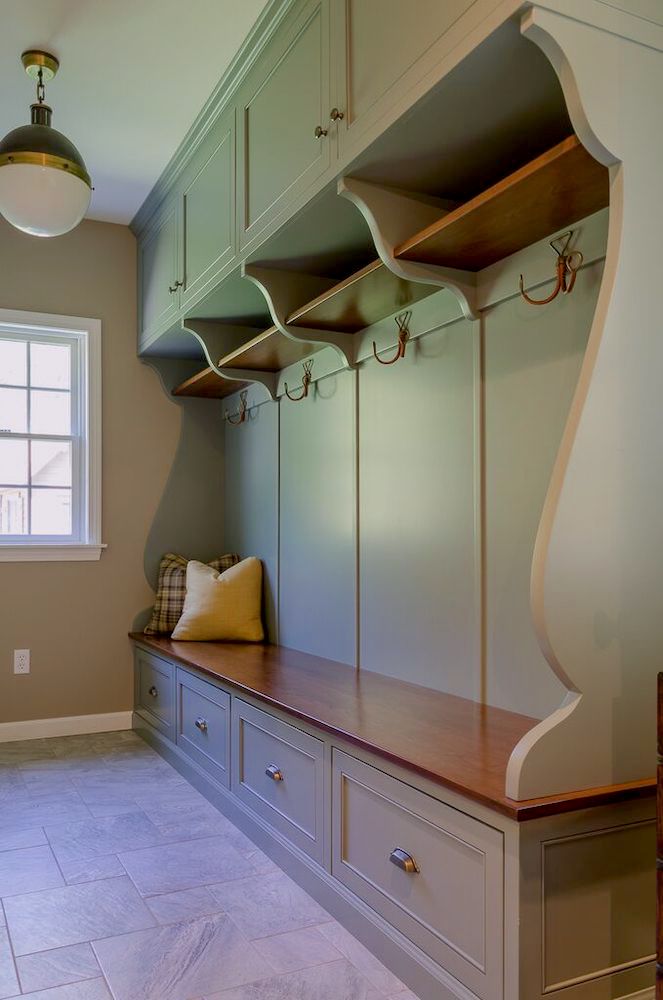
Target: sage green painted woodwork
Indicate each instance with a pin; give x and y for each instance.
(532, 360)
(158, 271)
(452, 905)
(420, 587)
(381, 49)
(252, 496)
(293, 802)
(317, 568)
(154, 691)
(208, 209)
(203, 724)
(282, 101)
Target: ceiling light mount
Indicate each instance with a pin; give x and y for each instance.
(40, 64)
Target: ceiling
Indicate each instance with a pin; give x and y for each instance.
(133, 76)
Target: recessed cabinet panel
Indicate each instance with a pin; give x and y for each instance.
(282, 102)
(154, 694)
(209, 209)
(430, 870)
(203, 724)
(158, 272)
(378, 43)
(278, 771)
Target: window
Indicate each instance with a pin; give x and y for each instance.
(50, 437)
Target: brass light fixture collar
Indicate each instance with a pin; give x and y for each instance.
(35, 60)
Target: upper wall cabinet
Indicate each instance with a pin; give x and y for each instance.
(382, 48)
(158, 272)
(208, 209)
(283, 108)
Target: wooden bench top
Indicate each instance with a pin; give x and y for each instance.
(452, 741)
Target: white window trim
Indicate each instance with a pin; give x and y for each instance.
(92, 547)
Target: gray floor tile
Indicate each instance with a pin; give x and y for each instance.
(336, 981)
(172, 907)
(8, 982)
(180, 961)
(11, 840)
(27, 814)
(374, 971)
(184, 865)
(91, 869)
(268, 904)
(297, 950)
(91, 989)
(98, 837)
(55, 918)
(57, 967)
(28, 869)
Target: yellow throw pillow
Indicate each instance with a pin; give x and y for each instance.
(222, 605)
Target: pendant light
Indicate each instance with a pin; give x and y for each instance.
(44, 187)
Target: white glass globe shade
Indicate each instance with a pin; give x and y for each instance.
(40, 200)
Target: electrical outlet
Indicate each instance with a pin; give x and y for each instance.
(21, 661)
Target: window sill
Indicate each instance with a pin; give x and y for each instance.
(50, 553)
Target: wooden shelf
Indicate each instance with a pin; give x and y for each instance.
(360, 300)
(270, 351)
(555, 190)
(206, 384)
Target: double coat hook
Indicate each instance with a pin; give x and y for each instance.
(403, 321)
(567, 269)
(306, 381)
(240, 416)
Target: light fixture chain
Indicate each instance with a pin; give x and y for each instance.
(41, 89)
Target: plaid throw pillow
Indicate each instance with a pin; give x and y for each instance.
(171, 590)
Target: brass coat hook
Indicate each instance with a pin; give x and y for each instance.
(567, 269)
(240, 416)
(403, 321)
(306, 381)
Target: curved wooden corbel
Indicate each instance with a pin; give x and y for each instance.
(219, 339)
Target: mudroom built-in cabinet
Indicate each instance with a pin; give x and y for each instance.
(400, 272)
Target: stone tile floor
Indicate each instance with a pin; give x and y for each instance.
(119, 880)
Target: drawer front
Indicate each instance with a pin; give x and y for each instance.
(446, 892)
(291, 796)
(203, 724)
(155, 691)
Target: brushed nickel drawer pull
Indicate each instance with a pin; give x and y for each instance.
(201, 724)
(320, 132)
(404, 861)
(274, 772)
(153, 691)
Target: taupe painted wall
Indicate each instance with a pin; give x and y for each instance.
(74, 616)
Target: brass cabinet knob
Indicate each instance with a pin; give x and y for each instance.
(320, 132)
(173, 288)
(404, 861)
(201, 724)
(274, 772)
(335, 115)
(153, 691)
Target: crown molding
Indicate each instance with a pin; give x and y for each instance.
(245, 58)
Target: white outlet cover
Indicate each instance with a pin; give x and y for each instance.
(21, 661)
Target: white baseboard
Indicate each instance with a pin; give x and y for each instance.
(72, 725)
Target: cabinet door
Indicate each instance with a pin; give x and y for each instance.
(282, 102)
(381, 50)
(158, 256)
(208, 210)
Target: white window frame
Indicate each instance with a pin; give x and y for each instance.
(86, 473)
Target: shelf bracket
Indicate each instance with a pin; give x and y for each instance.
(219, 339)
(392, 216)
(285, 291)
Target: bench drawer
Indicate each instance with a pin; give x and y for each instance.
(430, 870)
(203, 724)
(278, 771)
(154, 681)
